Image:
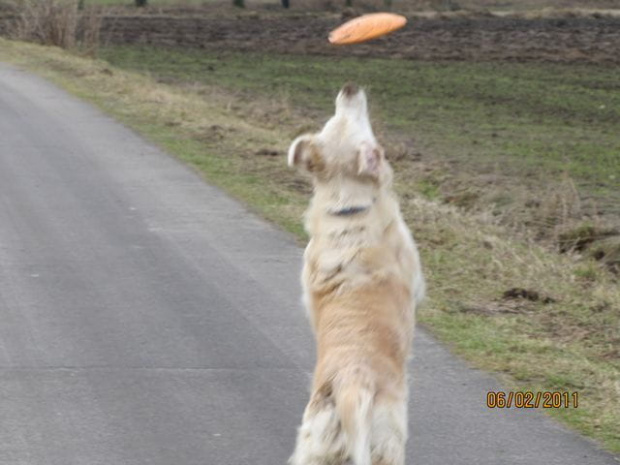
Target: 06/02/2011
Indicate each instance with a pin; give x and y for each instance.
(529, 399)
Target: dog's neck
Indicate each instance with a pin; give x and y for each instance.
(345, 197)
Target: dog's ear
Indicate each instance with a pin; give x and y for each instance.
(370, 159)
(303, 153)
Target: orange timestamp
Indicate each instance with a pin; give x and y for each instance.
(529, 399)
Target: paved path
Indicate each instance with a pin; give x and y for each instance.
(147, 318)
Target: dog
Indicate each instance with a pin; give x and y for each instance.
(362, 281)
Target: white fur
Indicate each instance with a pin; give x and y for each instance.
(362, 418)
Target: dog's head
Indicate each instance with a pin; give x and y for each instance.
(345, 147)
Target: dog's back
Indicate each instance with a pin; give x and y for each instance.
(361, 280)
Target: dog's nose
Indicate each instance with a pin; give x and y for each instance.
(350, 89)
(351, 100)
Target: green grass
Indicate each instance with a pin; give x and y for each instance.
(217, 111)
(535, 121)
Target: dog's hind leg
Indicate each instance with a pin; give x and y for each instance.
(320, 440)
(389, 432)
(354, 404)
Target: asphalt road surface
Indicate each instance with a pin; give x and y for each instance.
(147, 318)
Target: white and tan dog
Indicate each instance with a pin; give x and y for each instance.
(362, 281)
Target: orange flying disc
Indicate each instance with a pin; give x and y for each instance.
(366, 27)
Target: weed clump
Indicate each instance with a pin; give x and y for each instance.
(61, 23)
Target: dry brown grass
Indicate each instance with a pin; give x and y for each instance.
(57, 22)
(89, 32)
(49, 22)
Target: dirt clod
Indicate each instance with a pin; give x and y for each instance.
(519, 293)
(268, 152)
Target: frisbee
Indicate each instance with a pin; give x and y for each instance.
(366, 27)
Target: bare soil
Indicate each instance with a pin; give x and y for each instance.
(588, 39)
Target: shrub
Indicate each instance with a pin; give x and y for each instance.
(62, 23)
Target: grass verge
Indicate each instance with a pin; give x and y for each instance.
(509, 135)
(561, 333)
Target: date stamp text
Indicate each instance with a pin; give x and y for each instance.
(529, 399)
